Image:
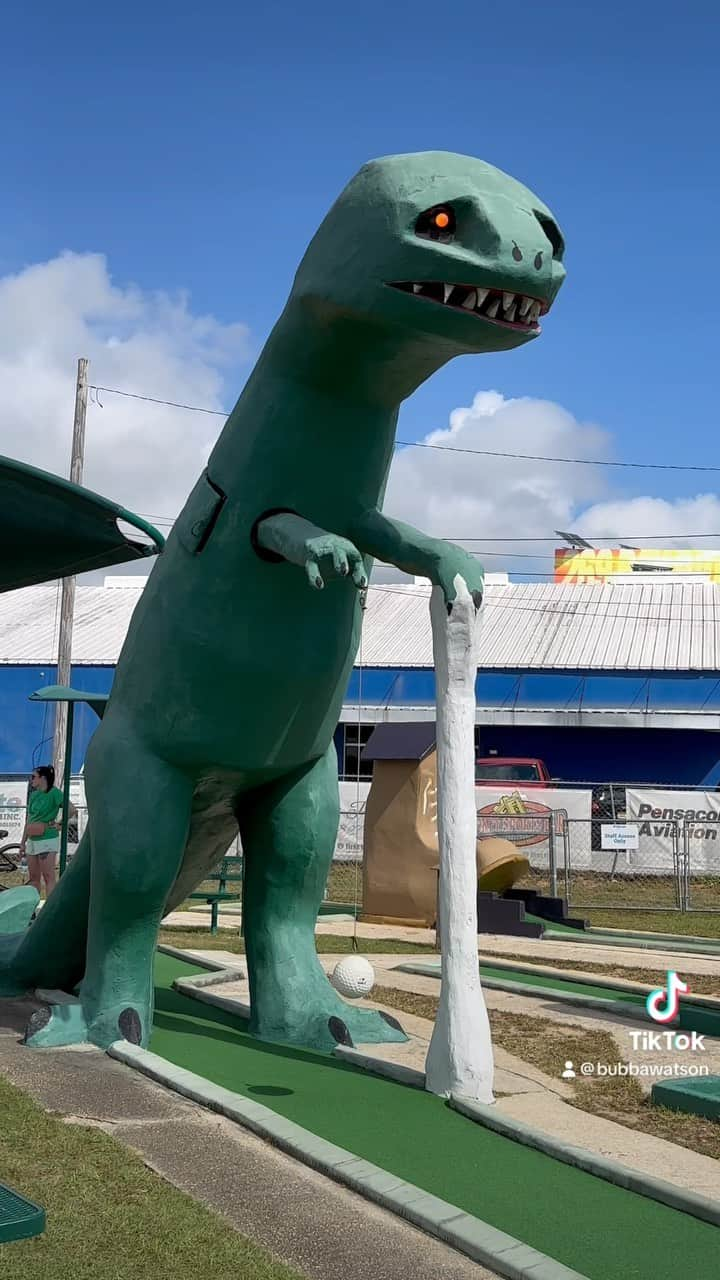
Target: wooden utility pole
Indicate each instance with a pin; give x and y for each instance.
(67, 606)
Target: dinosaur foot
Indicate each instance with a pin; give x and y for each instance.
(326, 1021)
(64, 1021)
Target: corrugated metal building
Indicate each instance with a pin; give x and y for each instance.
(604, 682)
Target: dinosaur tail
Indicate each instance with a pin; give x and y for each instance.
(51, 953)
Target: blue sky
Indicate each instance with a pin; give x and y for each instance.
(198, 146)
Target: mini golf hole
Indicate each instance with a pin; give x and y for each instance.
(270, 1090)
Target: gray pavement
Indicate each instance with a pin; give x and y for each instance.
(320, 1228)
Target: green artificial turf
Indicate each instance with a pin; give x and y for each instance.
(598, 1229)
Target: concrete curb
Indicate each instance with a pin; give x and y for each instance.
(190, 958)
(195, 989)
(632, 1013)
(713, 944)
(379, 1067)
(600, 1166)
(639, 944)
(214, 979)
(469, 1235)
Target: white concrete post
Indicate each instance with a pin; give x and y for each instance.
(460, 1056)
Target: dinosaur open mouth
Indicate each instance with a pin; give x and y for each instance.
(512, 310)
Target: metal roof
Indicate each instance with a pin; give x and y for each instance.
(648, 626)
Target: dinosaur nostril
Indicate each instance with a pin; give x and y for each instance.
(517, 252)
(538, 261)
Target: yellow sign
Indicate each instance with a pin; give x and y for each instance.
(573, 566)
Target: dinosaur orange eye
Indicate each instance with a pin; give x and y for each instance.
(437, 224)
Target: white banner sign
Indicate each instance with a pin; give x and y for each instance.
(523, 815)
(664, 820)
(13, 795)
(353, 797)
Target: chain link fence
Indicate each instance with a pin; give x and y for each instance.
(640, 849)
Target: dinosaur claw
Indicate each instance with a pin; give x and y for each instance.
(392, 1022)
(339, 1032)
(130, 1026)
(38, 1021)
(477, 599)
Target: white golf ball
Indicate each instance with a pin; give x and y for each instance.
(353, 977)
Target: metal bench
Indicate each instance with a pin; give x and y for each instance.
(229, 872)
(19, 1218)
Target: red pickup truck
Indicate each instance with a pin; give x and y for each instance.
(496, 770)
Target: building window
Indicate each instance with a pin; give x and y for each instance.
(354, 734)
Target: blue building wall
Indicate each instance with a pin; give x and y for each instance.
(588, 754)
(27, 728)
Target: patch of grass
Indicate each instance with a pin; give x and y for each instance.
(10, 879)
(546, 1044)
(618, 902)
(700, 924)
(701, 984)
(326, 943)
(108, 1216)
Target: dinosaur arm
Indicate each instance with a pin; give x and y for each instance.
(286, 536)
(414, 552)
(396, 543)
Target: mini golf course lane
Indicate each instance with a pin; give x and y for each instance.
(691, 1017)
(596, 1228)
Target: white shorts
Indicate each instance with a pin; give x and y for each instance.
(41, 848)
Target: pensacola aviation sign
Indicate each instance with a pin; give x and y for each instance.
(670, 821)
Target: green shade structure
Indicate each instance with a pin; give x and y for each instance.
(97, 702)
(52, 529)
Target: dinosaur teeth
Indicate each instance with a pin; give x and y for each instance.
(490, 304)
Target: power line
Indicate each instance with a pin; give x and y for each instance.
(447, 448)
(605, 537)
(172, 404)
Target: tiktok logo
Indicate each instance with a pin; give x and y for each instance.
(664, 1004)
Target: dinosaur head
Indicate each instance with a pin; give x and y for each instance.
(440, 247)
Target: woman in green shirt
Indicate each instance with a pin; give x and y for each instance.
(41, 838)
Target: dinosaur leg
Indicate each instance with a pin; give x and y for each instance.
(140, 810)
(288, 831)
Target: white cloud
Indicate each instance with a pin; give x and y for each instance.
(639, 518)
(462, 496)
(143, 455)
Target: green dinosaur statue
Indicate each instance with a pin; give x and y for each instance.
(232, 676)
